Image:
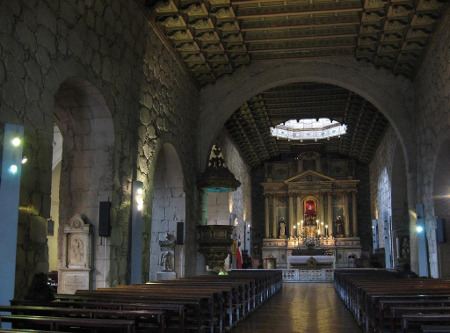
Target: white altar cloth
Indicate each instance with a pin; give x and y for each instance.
(304, 259)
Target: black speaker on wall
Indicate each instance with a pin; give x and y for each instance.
(104, 219)
(440, 230)
(180, 233)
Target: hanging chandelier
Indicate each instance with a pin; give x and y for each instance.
(308, 129)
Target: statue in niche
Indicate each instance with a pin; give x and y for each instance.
(76, 251)
(166, 261)
(405, 248)
(339, 226)
(282, 225)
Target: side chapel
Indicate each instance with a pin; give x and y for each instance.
(310, 209)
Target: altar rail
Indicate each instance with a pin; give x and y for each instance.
(308, 275)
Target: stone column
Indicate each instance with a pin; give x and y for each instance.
(204, 208)
(299, 215)
(346, 217)
(354, 221)
(330, 215)
(292, 221)
(267, 217)
(274, 216)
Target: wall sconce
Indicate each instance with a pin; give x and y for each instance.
(16, 141)
(419, 229)
(139, 198)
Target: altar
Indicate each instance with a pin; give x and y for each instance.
(310, 203)
(311, 262)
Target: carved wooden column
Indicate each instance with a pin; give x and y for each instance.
(267, 217)
(322, 214)
(299, 216)
(274, 216)
(346, 217)
(291, 211)
(330, 215)
(355, 224)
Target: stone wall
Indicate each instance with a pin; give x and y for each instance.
(432, 91)
(363, 206)
(381, 183)
(110, 44)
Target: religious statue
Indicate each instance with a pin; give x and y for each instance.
(405, 248)
(282, 228)
(168, 241)
(76, 251)
(339, 226)
(166, 261)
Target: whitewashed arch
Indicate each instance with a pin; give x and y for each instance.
(388, 93)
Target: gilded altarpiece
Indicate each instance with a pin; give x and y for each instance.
(309, 212)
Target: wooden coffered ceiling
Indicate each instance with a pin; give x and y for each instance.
(214, 37)
(250, 125)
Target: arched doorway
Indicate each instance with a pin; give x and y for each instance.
(442, 206)
(85, 169)
(168, 214)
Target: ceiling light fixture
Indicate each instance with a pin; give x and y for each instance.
(308, 129)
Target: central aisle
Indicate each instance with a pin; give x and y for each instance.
(301, 308)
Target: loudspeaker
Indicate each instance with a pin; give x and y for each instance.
(104, 219)
(440, 230)
(180, 233)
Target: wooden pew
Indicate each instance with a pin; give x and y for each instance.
(174, 313)
(397, 312)
(419, 319)
(435, 329)
(364, 293)
(55, 323)
(157, 318)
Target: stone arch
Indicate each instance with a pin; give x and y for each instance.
(85, 121)
(379, 87)
(441, 206)
(168, 208)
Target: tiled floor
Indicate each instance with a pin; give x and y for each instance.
(301, 308)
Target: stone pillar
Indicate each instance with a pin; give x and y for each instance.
(292, 221)
(346, 217)
(274, 216)
(267, 217)
(299, 216)
(354, 221)
(204, 207)
(413, 245)
(330, 215)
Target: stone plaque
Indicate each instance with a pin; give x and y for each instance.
(75, 265)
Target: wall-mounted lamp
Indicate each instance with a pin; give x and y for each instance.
(16, 142)
(13, 169)
(419, 229)
(139, 198)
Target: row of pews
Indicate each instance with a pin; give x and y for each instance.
(204, 303)
(384, 301)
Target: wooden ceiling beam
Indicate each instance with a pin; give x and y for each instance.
(287, 49)
(288, 39)
(302, 26)
(302, 13)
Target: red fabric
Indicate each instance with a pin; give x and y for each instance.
(238, 258)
